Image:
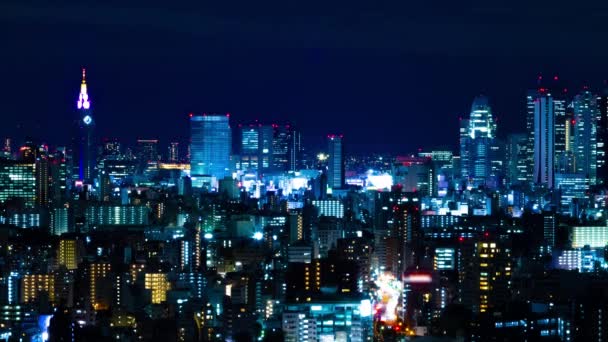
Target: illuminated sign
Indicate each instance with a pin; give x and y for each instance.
(418, 278)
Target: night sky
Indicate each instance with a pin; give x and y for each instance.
(390, 76)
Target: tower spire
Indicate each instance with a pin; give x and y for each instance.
(83, 97)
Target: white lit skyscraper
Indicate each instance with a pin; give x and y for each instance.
(210, 147)
(476, 140)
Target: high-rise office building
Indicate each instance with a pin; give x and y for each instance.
(210, 147)
(564, 155)
(83, 144)
(336, 162)
(286, 148)
(544, 138)
(464, 141)
(281, 140)
(562, 131)
(257, 143)
(173, 152)
(42, 181)
(18, 181)
(147, 156)
(586, 115)
(529, 160)
(58, 176)
(295, 151)
(477, 144)
(602, 138)
(516, 158)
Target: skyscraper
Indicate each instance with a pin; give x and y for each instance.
(147, 156)
(602, 138)
(335, 174)
(286, 148)
(295, 151)
(516, 158)
(257, 147)
(83, 145)
(529, 149)
(585, 124)
(544, 138)
(280, 147)
(476, 143)
(562, 132)
(211, 142)
(173, 152)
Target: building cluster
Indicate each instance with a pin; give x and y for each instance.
(240, 234)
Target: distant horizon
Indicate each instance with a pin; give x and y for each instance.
(383, 83)
(316, 142)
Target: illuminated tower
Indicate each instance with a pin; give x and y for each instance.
(210, 147)
(476, 145)
(83, 149)
(544, 139)
(335, 174)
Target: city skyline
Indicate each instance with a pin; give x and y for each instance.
(345, 171)
(450, 142)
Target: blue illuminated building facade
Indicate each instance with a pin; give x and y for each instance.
(210, 147)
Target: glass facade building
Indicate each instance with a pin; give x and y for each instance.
(544, 140)
(594, 237)
(210, 147)
(335, 174)
(476, 141)
(585, 130)
(18, 181)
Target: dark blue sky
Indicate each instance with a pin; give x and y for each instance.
(389, 75)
